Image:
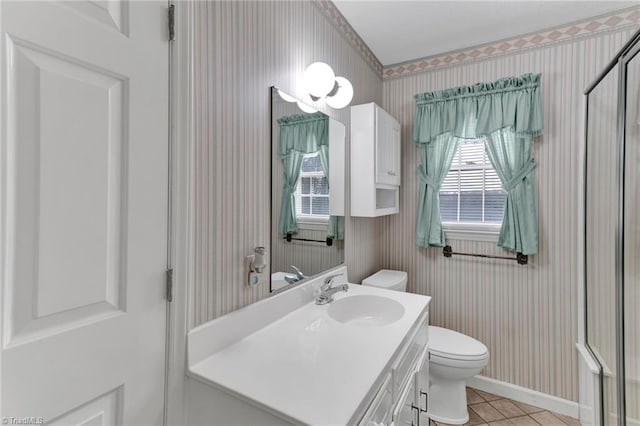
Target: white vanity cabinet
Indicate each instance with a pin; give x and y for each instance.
(375, 161)
(287, 361)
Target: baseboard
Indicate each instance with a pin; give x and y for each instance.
(527, 396)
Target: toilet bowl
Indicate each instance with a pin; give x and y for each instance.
(453, 358)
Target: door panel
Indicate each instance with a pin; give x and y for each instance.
(84, 220)
(83, 203)
(105, 410)
(111, 13)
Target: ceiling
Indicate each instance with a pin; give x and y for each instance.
(400, 30)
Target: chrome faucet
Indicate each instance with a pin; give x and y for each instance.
(291, 279)
(298, 272)
(327, 290)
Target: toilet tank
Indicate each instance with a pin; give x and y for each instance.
(387, 279)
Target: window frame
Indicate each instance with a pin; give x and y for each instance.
(310, 222)
(472, 231)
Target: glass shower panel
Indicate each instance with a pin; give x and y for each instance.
(601, 219)
(632, 244)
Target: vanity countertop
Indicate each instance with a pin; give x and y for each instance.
(309, 368)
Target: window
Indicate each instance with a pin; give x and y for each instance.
(471, 196)
(312, 192)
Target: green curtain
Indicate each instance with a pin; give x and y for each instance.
(511, 157)
(436, 160)
(299, 134)
(304, 133)
(292, 163)
(508, 113)
(335, 228)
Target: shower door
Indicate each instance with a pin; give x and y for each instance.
(612, 234)
(600, 234)
(631, 276)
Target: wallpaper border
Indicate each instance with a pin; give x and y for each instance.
(589, 27)
(341, 23)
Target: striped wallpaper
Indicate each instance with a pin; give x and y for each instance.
(243, 48)
(526, 315)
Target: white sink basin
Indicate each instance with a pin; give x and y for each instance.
(366, 310)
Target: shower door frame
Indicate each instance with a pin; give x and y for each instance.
(630, 50)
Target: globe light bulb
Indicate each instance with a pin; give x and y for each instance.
(343, 96)
(285, 97)
(319, 79)
(306, 108)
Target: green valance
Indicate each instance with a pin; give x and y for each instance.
(478, 110)
(304, 133)
(507, 114)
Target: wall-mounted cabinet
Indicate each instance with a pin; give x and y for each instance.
(375, 161)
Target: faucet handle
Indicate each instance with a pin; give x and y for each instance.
(298, 272)
(328, 281)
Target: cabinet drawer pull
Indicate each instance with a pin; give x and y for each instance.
(426, 402)
(416, 415)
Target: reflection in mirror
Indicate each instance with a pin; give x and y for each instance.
(307, 191)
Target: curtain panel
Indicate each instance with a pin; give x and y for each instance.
(335, 227)
(508, 115)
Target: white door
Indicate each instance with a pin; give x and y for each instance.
(83, 211)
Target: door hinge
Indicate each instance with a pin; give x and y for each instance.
(169, 274)
(172, 22)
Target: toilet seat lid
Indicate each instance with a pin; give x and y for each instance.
(386, 278)
(451, 344)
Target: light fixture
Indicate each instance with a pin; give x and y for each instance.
(285, 97)
(319, 79)
(343, 95)
(306, 108)
(321, 82)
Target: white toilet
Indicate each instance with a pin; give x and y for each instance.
(387, 279)
(453, 358)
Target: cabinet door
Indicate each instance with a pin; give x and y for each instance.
(406, 412)
(422, 387)
(387, 143)
(394, 155)
(380, 410)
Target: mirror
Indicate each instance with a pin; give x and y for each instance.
(307, 208)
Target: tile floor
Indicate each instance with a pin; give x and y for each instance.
(489, 409)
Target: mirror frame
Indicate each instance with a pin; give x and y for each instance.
(272, 93)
